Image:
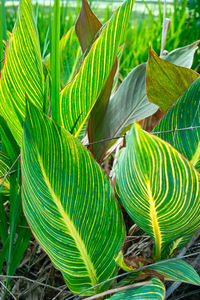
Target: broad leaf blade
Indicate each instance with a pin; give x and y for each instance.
(159, 189)
(180, 126)
(130, 104)
(126, 106)
(87, 25)
(98, 112)
(151, 291)
(68, 202)
(182, 56)
(21, 75)
(177, 270)
(166, 82)
(78, 98)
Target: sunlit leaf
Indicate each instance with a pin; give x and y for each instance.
(78, 98)
(159, 188)
(68, 201)
(151, 291)
(181, 125)
(177, 270)
(70, 53)
(22, 74)
(166, 82)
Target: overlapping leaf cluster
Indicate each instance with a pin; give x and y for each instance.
(68, 200)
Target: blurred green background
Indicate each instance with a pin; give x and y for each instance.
(144, 30)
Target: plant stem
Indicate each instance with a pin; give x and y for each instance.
(55, 61)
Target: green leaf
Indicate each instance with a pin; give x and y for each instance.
(159, 188)
(5, 164)
(99, 109)
(177, 270)
(78, 98)
(22, 74)
(8, 141)
(3, 222)
(130, 103)
(184, 115)
(166, 82)
(23, 239)
(182, 56)
(1, 43)
(126, 106)
(151, 291)
(121, 263)
(55, 60)
(87, 25)
(68, 202)
(70, 53)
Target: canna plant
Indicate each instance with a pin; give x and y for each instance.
(73, 208)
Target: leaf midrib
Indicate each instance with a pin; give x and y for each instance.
(155, 224)
(69, 224)
(194, 160)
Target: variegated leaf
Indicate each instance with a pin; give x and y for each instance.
(70, 53)
(68, 201)
(177, 270)
(78, 98)
(22, 74)
(132, 101)
(160, 190)
(181, 125)
(152, 291)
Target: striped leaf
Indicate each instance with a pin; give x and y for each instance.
(78, 98)
(21, 75)
(68, 202)
(70, 53)
(130, 103)
(181, 125)
(166, 82)
(152, 291)
(160, 190)
(5, 164)
(177, 270)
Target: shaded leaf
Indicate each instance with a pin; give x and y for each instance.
(5, 164)
(130, 103)
(159, 188)
(185, 114)
(98, 112)
(87, 25)
(68, 202)
(127, 105)
(22, 73)
(166, 82)
(152, 291)
(177, 270)
(8, 141)
(182, 56)
(78, 98)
